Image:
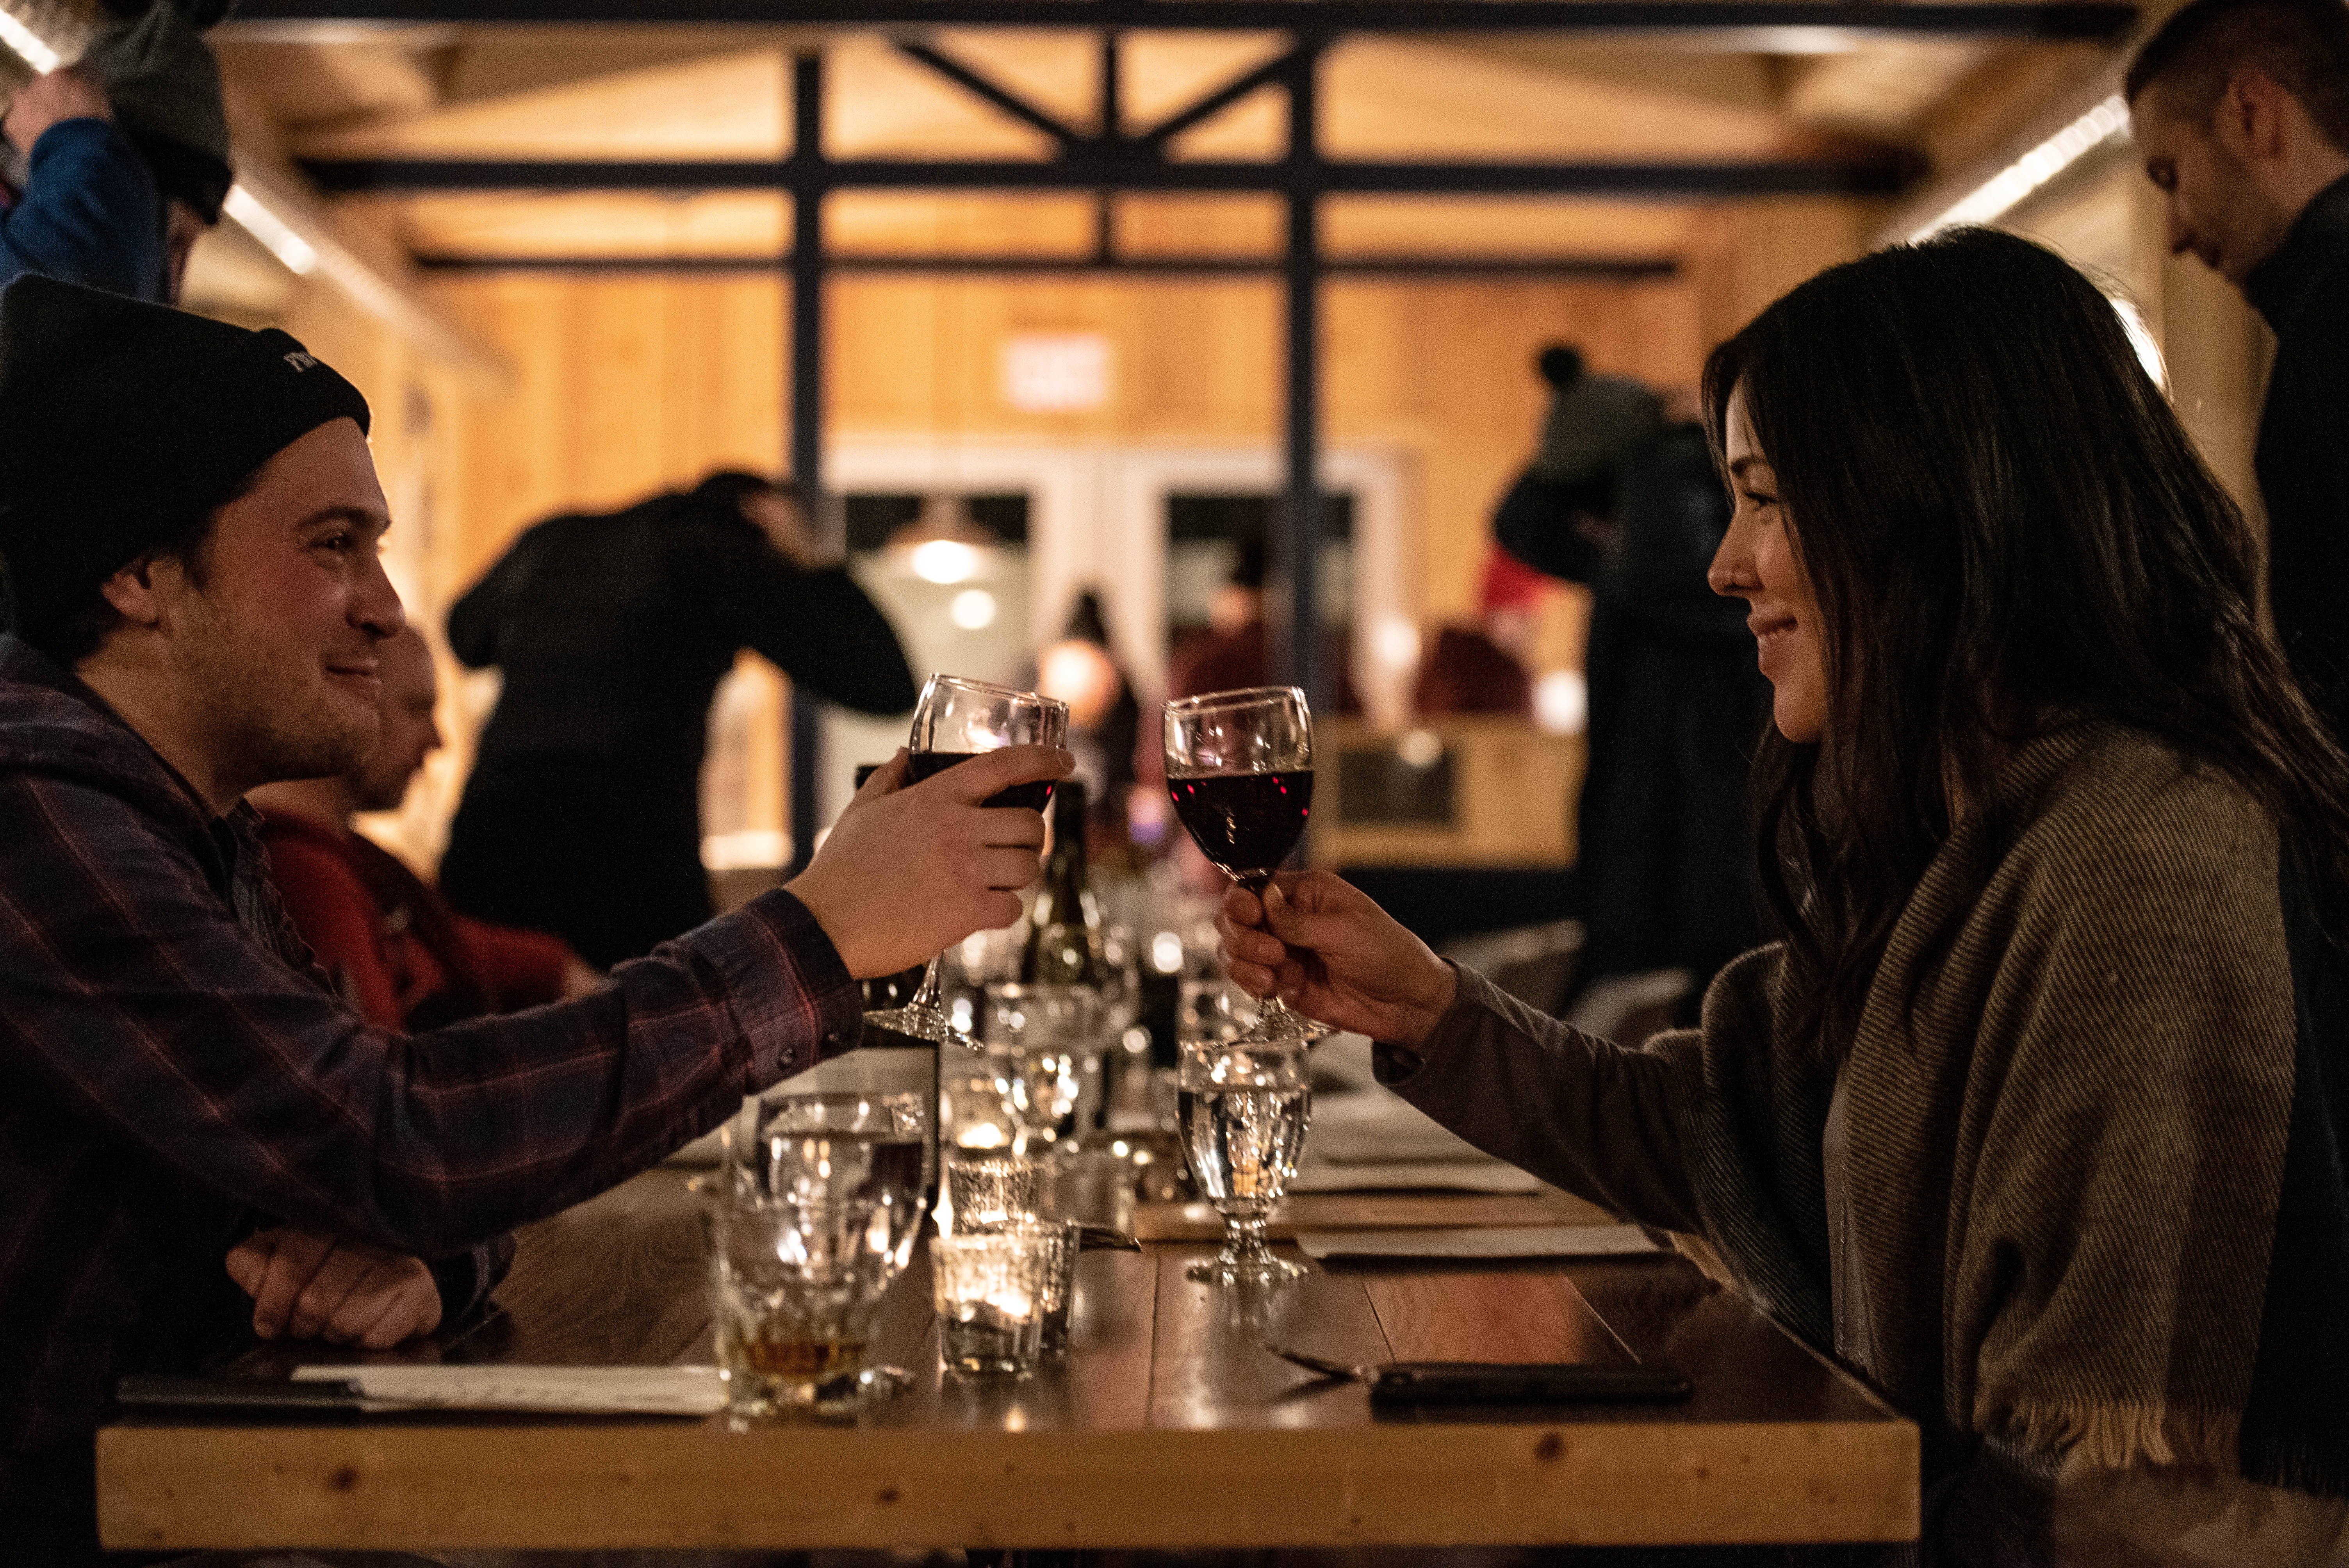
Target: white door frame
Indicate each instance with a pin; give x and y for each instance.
(1096, 514)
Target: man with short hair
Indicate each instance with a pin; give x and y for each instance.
(189, 523)
(127, 157)
(2240, 109)
(386, 937)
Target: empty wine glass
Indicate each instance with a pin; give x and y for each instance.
(1239, 767)
(1245, 1110)
(954, 721)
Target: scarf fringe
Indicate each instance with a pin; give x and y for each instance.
(2124, 1437)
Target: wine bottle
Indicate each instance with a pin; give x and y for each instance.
(1065, 929)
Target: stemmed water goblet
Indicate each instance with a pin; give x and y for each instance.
(954, 721)
(1245, 1110)
(1239, 767)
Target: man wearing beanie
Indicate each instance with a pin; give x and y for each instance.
(127, 157)
(189, 523)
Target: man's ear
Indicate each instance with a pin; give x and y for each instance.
(139, 592)
(2251, 114)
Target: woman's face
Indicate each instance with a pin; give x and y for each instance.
(1756, 563)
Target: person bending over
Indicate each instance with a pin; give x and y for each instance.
(2032, 1117)
(389, 940)
(583, 813)
(189, 521)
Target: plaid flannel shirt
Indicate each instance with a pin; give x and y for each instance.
(169, 1076)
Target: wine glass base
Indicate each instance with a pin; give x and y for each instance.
(923, 1024)
(1230, 1268)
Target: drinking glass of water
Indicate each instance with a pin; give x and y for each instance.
(1244, 1108)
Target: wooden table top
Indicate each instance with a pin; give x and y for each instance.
(1168, 1426)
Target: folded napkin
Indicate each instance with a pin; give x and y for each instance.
(614, 1390)
(1493, 1242)
(1459, 1176)
(1378, 1127)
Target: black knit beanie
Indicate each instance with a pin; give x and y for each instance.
(164, 86)
(123, 424)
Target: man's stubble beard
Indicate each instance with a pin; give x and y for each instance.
(270, 722)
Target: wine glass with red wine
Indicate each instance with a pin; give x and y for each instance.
(954, 721)
(1240, 766)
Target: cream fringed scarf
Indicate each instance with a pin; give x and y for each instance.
(2068, 1178)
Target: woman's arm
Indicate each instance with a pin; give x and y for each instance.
(1583, 1113)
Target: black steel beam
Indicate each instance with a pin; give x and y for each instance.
(1757, 22)
(1606, 268)
(982, 86)
(1294, 559)
(806, 267)
(1215, 102)
(1091, 167)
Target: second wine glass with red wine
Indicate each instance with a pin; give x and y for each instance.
(954, 720)
(1240, 766)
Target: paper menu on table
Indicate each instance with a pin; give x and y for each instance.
(578, 1391)
(1378, 1127)
(1488, 1176)
(1481, 1241)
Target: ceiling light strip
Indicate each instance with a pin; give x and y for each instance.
(2004, 191)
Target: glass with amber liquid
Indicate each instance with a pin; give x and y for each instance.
(819, 1213)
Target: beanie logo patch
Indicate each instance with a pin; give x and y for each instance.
(300, 361)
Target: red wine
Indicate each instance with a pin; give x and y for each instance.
(930, 764)
(1245, 822)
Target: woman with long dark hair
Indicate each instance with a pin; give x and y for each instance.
(2035, 1117)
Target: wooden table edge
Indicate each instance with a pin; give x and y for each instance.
(619, 1485)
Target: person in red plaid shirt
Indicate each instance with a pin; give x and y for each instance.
(189, 526)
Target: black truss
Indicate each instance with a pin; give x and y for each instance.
(1001, 97)
(1610, 268)
(1751, 18)
(1089, 167)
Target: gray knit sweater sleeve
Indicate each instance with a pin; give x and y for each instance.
(1582, 1113)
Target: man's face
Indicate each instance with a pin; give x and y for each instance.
(277, 652)
(2213, 205)
(409, 732)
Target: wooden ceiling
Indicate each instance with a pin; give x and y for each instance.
(635, 92)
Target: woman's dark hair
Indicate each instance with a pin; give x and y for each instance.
(2007, 532)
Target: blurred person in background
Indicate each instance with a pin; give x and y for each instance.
(391, 945)
(2240, 111)
(1104, 718)
(125, 155)
(1676, 706)
(1235, 650)
(1487, 667)
(583, 813)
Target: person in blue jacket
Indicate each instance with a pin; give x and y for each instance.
(126, 157)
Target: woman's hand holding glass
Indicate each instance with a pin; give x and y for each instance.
(1331, 953)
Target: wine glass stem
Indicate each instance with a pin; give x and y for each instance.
(925, 998)
(1243, 1237)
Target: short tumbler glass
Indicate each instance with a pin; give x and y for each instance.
(991, 1296)
(793, 1293)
